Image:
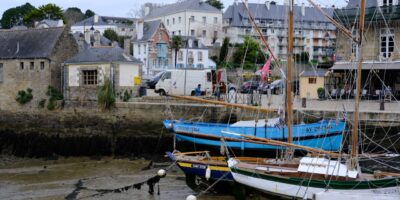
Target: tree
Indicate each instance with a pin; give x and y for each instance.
(250, 52)
(176, 45)
(48, 11)
(216, 3)
(14, 16)
(224, 50)
(73, 15)
(89, 13)
(111, 35)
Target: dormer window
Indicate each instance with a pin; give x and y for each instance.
(387, 2)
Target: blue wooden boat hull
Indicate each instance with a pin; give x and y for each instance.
(325, 134)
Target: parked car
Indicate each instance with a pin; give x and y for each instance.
(249, 86)
(154, 80)
(263, 88)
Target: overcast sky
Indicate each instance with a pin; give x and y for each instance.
(125, 8)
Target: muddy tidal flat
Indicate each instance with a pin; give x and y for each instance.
(90, 178)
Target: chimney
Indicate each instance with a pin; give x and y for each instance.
(127, 45)
(87, 36)
(303, 10)
(146, 10)
(96, 18)
(60, 23)
(139, 29)
(267, 4)
(96, 38)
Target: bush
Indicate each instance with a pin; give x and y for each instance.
(24, 97)
(42, 103)
(105, 95)
(321, 93)
(126, 96)
(53, 95)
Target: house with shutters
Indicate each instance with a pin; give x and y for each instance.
(193, 55)
(32, 58)
(194, 18)
(152, 46)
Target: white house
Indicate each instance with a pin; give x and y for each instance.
(193, 55)
(190, 18)
(123, 26)
(152, 46)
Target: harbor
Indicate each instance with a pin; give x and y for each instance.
(198, 100)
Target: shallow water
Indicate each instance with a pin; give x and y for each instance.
(57, 179)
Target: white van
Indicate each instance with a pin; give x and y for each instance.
(184, 82)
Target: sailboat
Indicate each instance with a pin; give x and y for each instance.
(322, 175)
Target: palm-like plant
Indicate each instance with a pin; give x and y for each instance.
(176, 45)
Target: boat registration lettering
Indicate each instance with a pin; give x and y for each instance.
(187, 129)
(199, 166)
(318, 128)
(387, 191)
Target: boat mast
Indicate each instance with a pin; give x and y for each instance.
(289, 101)
(354, 143)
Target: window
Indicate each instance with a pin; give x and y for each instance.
(191, 19)
(31, 65)
(387, 2)
(200, 56)
(167, 22)
(179, 32)
(173, 32)
(144, 61)
(180, 55)
(1, 73)
(167, 75)
(173, 20)
(42, 65)
(204, 33)
(387, 42)
(209, 77)
(144, 48)
(89, 77)
(215, 20)
(122, 29)
(312, 80)
(21, 65)
(179, 19)
(192, 32)
(200, 66)
(204, 20)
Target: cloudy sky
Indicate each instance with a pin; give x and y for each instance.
(124, 8)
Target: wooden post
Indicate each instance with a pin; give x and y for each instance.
(289, 102)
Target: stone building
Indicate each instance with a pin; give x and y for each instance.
(152, 46)
(32, 58)
(99, 59)
(313, 33)
(381, 55)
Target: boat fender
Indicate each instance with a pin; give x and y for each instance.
(161, 173)
(191, 197)
(208, 173)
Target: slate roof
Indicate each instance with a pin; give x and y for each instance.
(102, 55)
(149, 28)
(103, 20)
(317, 73)
(30, 43)
(356, 3)
(275, 12)
(49, 22)
(192, 5)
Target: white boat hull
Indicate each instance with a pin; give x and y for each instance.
(284, 189)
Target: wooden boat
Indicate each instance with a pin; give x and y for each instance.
(324, 134)
(325, 175)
